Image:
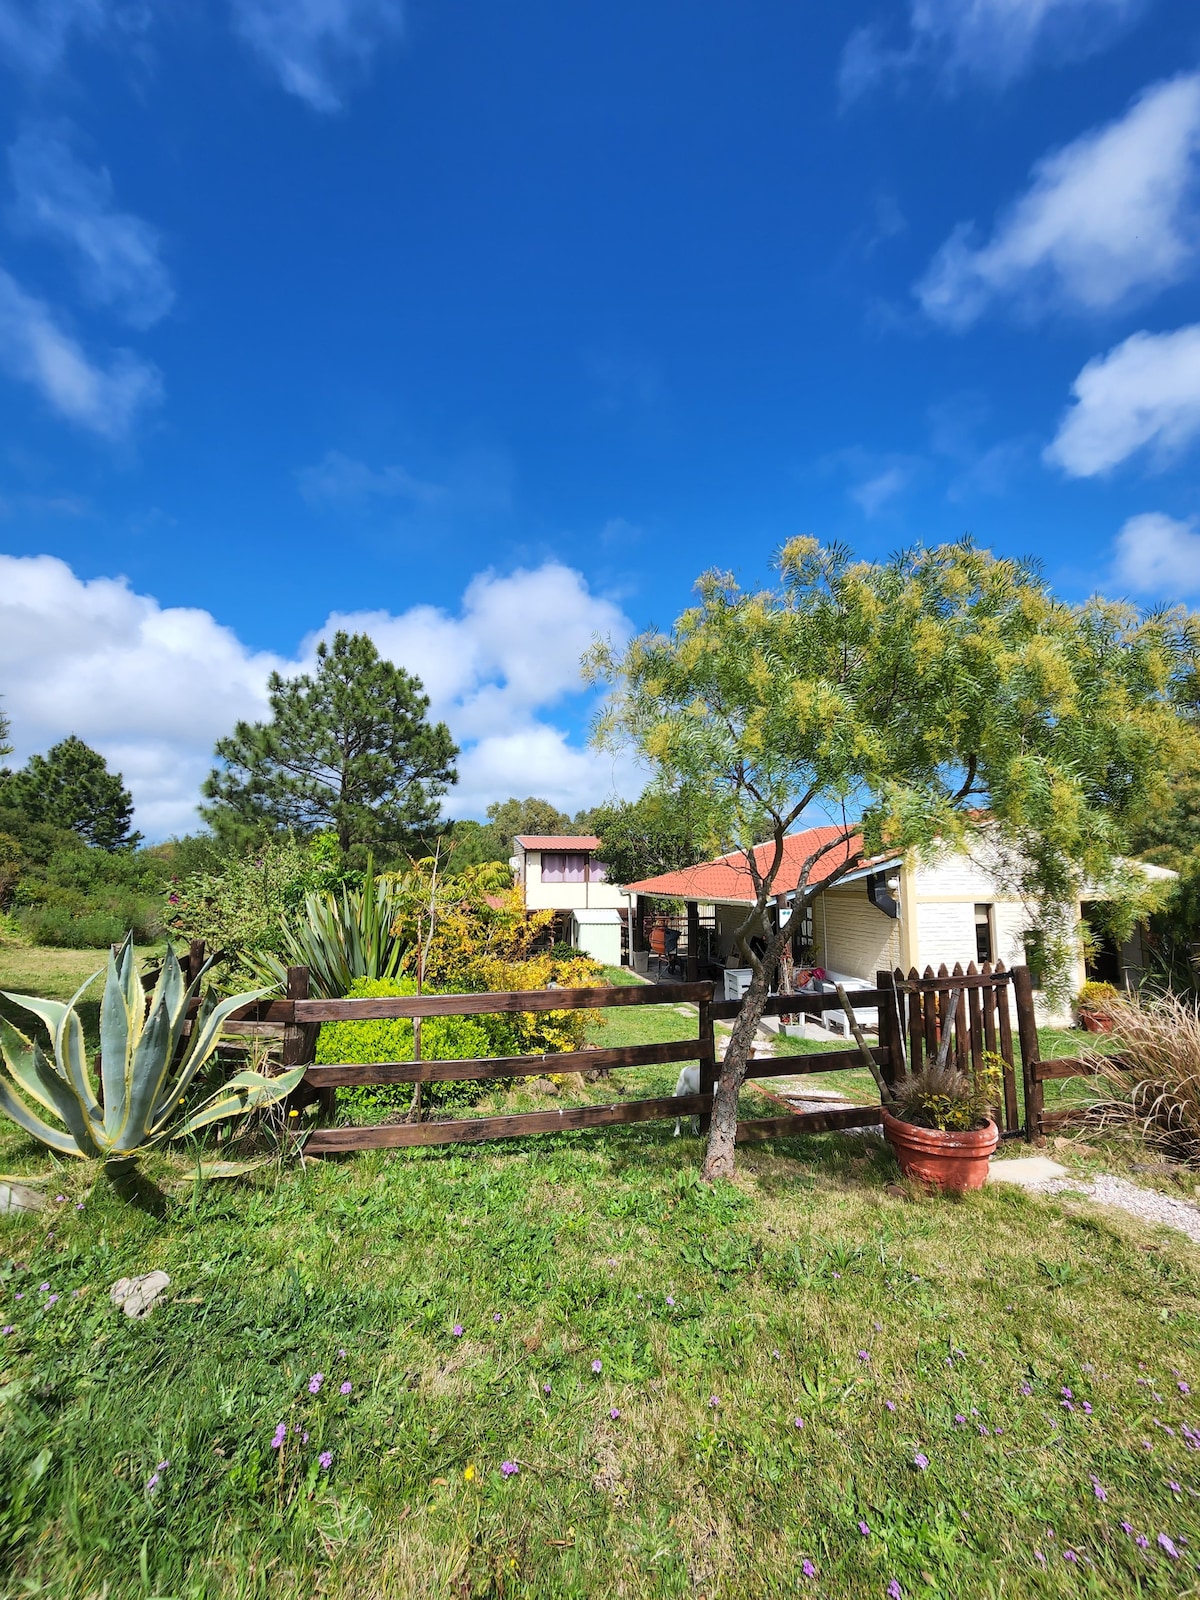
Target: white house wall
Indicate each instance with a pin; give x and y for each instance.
(852, 936)
(541, 896)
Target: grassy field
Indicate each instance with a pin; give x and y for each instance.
(566, 1368)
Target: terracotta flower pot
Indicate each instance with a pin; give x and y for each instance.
(954, 1162)
(1096, 1021)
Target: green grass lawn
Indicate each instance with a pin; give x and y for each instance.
(563, 1367)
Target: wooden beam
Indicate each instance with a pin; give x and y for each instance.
(819, 1061)
(391, 1007)
(808, 1122)
(633, 1055)
(473, 1130)
(777, 1004)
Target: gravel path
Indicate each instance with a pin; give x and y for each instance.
(1147, 1204)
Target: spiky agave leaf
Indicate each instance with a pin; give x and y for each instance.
(18, 1055)
(245, 1091)
(122, 1012)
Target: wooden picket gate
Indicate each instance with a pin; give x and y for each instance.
(967, 1011)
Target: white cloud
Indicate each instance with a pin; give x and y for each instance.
(877, 492)
(996, 41)
(1111, 217)
(36, 349)
(154, 687)
(1158, 555)
(1143, 395)
(337, 479)
(316, 48)
(34, 38)
(117, 255)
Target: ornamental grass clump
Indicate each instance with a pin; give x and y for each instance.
(946, 1097)
(1151, 1088)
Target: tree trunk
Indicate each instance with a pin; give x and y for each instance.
(722, 1133)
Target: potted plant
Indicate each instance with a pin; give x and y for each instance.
(1092, 1004)
(939, 1124)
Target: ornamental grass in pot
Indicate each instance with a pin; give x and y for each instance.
(939, 1124)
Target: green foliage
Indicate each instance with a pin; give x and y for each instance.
(442, 1039)
(141, 1098)
(64, 892)
(239, 908)
(1093, 996)
(508, 818)
(5, 730)
(340, 935)
(472, 844)
(947, 1098)
(71, 787)
(348, 748)
(661, 831)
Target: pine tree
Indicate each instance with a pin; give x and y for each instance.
(71, 787)
(347, 748)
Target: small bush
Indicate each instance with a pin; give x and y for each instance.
(945, 1098)
(1153, 1084)
(1096, 996)
(89, 930)
(442, 1039)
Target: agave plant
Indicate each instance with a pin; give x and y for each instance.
(339, 936)
(141, 1098)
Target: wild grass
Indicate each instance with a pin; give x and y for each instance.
(466, 1296)
(1151, 1089)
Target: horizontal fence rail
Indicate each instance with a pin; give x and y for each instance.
(956, 1015)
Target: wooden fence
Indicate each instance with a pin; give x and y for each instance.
(957, 1015)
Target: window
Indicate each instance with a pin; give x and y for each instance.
(563, 866)
(597, 871)
(984, 945)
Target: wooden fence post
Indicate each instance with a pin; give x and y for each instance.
(708, 1056)
(1027, 1033)
(891, 1027)
(300, 1040)
(195, 959)
(692, 973)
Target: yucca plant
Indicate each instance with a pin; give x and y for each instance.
(339, 936)
(142, 1096)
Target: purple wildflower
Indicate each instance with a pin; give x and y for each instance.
(1142, 1542)
(545, 1388)
(304, 1437)
(346, 1387)
(59, 1198)
(1038, 1556)
(152, 1483)
(1066, 1394)
(1174, 1488)
(1025, 1389)
(1069, 1555)
(890, 1405)
(43, 1288)
(1164, 1543)
(7, 1329)
(1126, 1527)
(315, 1382)
(1183, 1389)
(497, 1317)
(280, 1436)
(775, 1356)
(342, 1355)
(325, 1460)
(835, 1274)
(79, 1205)
(1087, 1410)
(808, 1569)
(797, 1422)
(456, 1330)
(920, 1461)
(670, 1299)
(1098, 1488)
(597, 1365)
(864, 1529)
(508, 1468)
(960, 1421)
(894, 1590)
(20, 1295)
(864, 1355)
(878, 1326)
(713, 1400)
(614, 1413)
(984, 1431)
(162, 1466)
(50, 1299)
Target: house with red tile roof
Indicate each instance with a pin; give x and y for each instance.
(890, 910)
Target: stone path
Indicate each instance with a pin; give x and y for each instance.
(1041, 1176)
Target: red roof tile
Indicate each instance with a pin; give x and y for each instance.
(558, 841)
(728, 878)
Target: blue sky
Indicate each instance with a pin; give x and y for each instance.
(487, 328)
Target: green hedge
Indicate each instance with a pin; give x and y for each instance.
(442, 1039)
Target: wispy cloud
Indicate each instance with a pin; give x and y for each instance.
(34, 38)
(318, 49)
(1143, 395)
(990, 41)
(476, 481)
(1158, 555)
(116, 255)
(36, 349)
(338, 479)
(878, 491)
(1107, 220)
